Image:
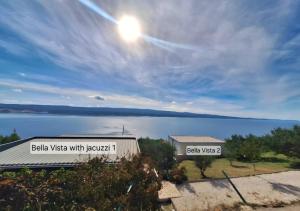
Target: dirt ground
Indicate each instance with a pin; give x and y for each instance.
(294, 207)
(270, 190)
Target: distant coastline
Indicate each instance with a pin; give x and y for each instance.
(101, 111)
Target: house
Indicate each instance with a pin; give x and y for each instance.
(196, 145)
(22, 153)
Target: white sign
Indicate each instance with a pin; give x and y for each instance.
(103, 148)
(203, 150)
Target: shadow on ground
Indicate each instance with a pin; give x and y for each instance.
(188, 187)
(219, 183)
(241, 167)
(295, 165)
(273, 160)
(285, 188)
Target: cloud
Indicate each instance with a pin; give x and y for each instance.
(238, 54)
(48, 94)
(17, 90)
(97, 98)
(90, 42)
(13, 48)
(22, 74)
(82, 95)
(111, 99)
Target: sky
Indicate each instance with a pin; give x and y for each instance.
(237, 57)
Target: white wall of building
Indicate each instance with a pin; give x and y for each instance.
(181, 147)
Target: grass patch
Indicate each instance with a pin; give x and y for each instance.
(273, 157)
(270, 163)
(192, 171)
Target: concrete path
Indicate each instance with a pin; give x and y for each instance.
(263, 190)
(168, 191)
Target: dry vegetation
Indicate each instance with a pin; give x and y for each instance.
(269, 163)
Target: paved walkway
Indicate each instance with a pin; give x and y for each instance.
(168, 191)
(268, 190)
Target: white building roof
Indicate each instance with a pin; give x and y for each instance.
(17, 154)
(196, 139)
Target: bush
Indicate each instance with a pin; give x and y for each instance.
(12, 137)
(9, 175)
(286, 141)
(249, 148)
(96, 185)
(160, 151)
(241, 148)
(178, 175)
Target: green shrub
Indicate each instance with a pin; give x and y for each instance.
(9, 175)
(12, 137)
(160, 151)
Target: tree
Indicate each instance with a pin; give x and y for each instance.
(246, 148)
(161, 152)
(232, 148)
(203, 162)
(286, 141)
(243, 148)
(12, 137)
(250, 149)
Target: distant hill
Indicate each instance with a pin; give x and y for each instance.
(99, 111)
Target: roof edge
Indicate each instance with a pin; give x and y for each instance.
(217, 140)
(6, 146)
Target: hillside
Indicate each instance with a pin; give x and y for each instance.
(98, 111)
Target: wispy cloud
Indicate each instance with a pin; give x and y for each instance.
(48, 94)
(236, 69)
(13, 48)
(17, 90)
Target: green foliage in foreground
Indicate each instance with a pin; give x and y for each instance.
(160, 151)
(95, 185)
(270, 162)
(12, 137)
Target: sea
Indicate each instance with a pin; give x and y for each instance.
(28, 125)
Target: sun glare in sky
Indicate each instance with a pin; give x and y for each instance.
(129, 28)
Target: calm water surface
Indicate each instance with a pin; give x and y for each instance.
(155, 127)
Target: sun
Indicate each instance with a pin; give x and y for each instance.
(129, 28)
